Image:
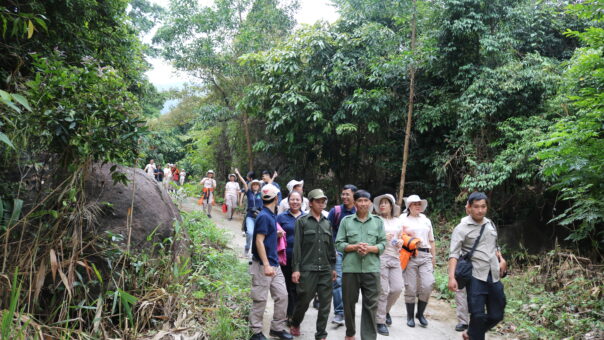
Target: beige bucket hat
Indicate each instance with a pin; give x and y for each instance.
(413, 199)
(396, 210)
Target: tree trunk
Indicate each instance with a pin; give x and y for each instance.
(401, 191)
(248, 141)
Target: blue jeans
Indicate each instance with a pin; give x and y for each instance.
(338, 304)
(483, 295)
(249, 232)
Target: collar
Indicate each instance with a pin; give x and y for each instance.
(268, 210)
(288, 212)
(470, 221)
(370, 216)
(352, 210)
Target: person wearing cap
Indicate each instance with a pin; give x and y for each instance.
(488, 267)
(231, 190)
(335, 216)
(209, 185)
(362, 239)
(313, 264)
(265, 271)
(287, 221)
(298, 186)
(254, 205)
(391, 274)
(419, 274)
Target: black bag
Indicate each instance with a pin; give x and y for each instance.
(463, 269)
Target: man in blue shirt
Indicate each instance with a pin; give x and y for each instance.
(336, 214)
(265, 271)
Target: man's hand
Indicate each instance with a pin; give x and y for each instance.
(269, 271)
(503, 267)
(296, 277)
(275, 174)
(362, 249)
(452, 284)
(334, 275)
(237, 171)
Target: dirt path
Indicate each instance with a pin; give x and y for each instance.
(440, 315)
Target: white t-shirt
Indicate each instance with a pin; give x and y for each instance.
(421, 227)
(167, 174)
(284, 205)
(149, 169)
(232, 188)
(392, 226)
(209, 182)
(182, 175)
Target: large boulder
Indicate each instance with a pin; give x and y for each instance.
(153, 211)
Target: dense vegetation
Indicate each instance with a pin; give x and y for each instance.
(508, 99)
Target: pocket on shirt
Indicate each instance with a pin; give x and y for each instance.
(372, 237)
(310, 236)
(353, 236)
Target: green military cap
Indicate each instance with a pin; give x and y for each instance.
(316, 194)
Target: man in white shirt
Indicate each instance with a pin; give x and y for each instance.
(150, 168)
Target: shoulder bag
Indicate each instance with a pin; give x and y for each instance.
(463, 269)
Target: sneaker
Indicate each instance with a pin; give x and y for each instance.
(295, 331)
(283, 335)
(338, 319)
(388, 319)
(461, 327)
(382, 329)
(258, 336)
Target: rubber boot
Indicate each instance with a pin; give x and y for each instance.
(410, 310)
(421, 307)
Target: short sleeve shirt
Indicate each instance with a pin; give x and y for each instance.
(392, 226)
(232, 188)
(421, 227)
(287, 221)
(266, 224)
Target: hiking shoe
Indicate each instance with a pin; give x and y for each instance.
(388, 319)
(382, 329)
(258, 336)
(461, 327)
(295, 331)
(338, 319)
(283, 335)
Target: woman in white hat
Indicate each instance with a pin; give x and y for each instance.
(391, 274)
(419, 274)
(231, 190)
(209, 185)
(298, 186)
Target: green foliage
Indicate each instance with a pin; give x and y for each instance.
(571, 151)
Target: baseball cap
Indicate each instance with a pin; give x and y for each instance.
(316, 194)
(269, 192)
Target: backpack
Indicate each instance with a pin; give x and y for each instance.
(337, 215)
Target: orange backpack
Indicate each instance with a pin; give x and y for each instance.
(409, 249)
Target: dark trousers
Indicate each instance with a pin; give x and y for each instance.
(369, 285)
(483, 295)
(312, 283)
(291, 289)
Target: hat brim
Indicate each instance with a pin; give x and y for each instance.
(423, 202)
(396, 209)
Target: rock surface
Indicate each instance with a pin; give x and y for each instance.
(152, 208)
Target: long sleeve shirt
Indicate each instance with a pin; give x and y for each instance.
(314, 249)
(353, 231)
(484, 259)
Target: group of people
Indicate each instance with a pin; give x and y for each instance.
(170, 173)
(301, 252)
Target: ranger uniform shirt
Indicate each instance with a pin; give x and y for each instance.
(314, 249)
(353, 231)
(484, 259)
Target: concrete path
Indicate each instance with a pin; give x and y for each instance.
(440, 315)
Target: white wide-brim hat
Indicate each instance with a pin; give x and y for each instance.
(413, 199)
(396, 210)
(291, 184)
(210, 172)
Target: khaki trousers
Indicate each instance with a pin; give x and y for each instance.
(207, 203)
(461, 300)
(369, 285)
(419, 278)
(231, 202)
(261, 285)
(391, 280)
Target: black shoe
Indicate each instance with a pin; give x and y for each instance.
(315, 303)
(283, 335)
(410, 310)
(258, 336)
(388, 319)
(210, 216)
(421, 307)
(382, 329)
(461, 327)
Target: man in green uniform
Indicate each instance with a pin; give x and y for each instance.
(362, 239)
(313, 264)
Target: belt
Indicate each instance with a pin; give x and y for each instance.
(426, 250)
